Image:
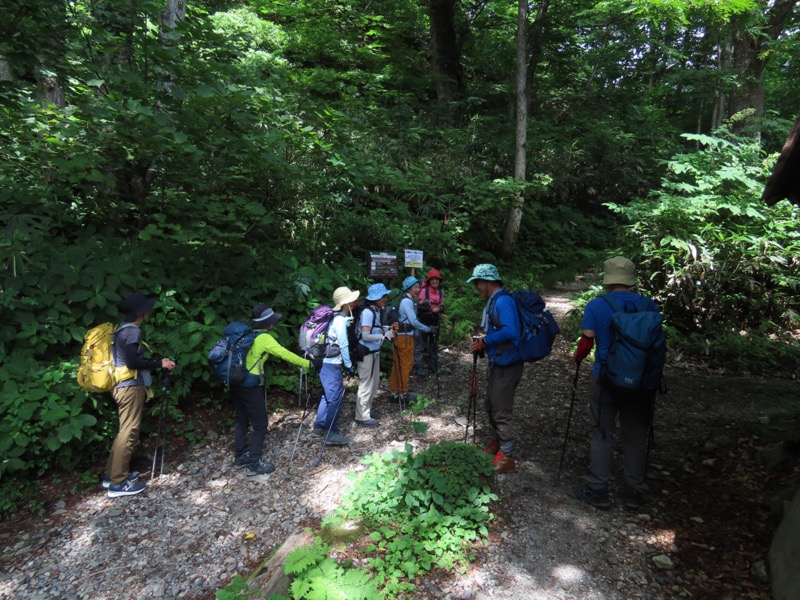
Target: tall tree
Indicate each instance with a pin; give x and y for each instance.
(445, 53)
(752, 34)
(514, 216)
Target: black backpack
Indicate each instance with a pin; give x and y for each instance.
(358, 350)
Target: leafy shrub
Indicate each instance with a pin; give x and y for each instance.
(425, 508)
(715, 257)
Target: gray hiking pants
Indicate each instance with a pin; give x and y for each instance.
(500, 388)
(634, 420)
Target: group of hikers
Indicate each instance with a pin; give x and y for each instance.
(413, 327)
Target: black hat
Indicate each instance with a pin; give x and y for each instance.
(136, 305)
(264, 316)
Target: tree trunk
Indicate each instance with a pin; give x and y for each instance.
(514, 216)
(445, 57)
(749, 62)
(174, 12)
(271, 579)
(535, 44)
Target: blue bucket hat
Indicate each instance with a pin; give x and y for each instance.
(486, 272)
(376, 291)
(409, 282)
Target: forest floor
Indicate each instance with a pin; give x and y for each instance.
(705, 535)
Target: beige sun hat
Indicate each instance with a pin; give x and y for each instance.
(619, 271)
(342, 296)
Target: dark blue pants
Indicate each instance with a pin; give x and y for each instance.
(251, 410)
(330, 375)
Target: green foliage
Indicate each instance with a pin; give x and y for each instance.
(715, 257)
(425, 509)
(236, 589)
(315, 576)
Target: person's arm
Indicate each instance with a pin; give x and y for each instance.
(507, 319)
(368, 327)
(266, 343)
(408, 315)
(130, 354)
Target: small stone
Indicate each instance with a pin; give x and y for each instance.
(759, 571)
(697, 519)
(662, 561)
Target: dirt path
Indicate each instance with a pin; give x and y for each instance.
(704, 536)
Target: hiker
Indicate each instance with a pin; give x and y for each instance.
(431, 305)
(130, 394)
(372, 334)
(605, 402)
(330, 375)
(249, 403)
(501, 324)
(403, 357)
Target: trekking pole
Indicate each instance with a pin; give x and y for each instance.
(166, 383)
(434, 352)
(300, 389)
(569, 418)
(472, 408)
(651, 435)
(305, 414)
(327, 433)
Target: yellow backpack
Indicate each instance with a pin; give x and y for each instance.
(97, 372)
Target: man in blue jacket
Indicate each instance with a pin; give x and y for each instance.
(501, 324)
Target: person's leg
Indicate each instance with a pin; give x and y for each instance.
(405, 347)
(322, 411)
(433, 352)
(603, 412)
(330, 377)
(240, 424)
(376, 378)
(365, 387)
(504, 382)
(419, 351)
(252, 400)
(634, 421)
(394, 376)
(130, 404)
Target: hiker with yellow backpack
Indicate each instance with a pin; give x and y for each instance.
(114, 360)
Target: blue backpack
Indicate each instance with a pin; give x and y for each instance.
(538, 329)
(638, 348)
(228, 356)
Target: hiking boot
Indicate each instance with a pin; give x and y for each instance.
(368, 423)
(258, 467)
(503, 463)
(318, 432)
(493, 447)
(597, 498)
(633, 499)
(106, 481)
(337, 439)
(421, 373)
(242, 460)
(126, 488)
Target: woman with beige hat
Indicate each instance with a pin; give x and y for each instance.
(330, 375)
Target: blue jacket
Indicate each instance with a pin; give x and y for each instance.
(501, 325)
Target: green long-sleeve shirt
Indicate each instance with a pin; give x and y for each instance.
(267, 346)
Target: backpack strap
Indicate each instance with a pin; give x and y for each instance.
(617, 308)
(491, 313)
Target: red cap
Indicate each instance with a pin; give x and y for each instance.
(433, 273)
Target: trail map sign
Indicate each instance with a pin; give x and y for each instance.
(414, 259)
(382, 265)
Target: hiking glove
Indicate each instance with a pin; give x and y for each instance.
(585, 345)
(316, 362)
(351, 370)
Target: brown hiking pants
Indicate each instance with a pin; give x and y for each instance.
(130, 404)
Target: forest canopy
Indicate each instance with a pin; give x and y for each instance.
(218, 153)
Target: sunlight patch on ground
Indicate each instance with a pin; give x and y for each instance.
(568, 573)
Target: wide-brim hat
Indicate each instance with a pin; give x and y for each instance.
(619, 271)
(434, 274)
(264, 316)
(486, 272)
(344, 295)
(376, 291)
(409, 282)
(136, 305)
